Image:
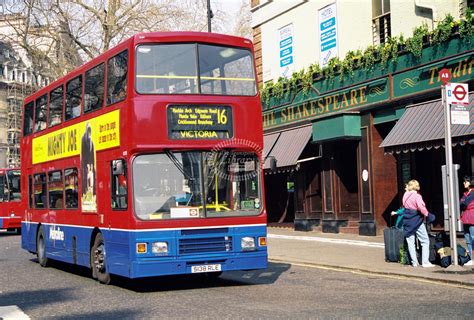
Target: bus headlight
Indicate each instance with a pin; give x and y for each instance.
(247, 243)
(159, 247)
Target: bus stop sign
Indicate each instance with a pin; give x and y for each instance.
(457, 93)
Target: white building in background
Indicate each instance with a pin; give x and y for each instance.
(17, 80)
(338, 154)
(290, 35)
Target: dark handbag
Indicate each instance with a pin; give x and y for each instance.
(463, 255)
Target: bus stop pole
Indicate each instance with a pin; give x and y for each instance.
(449, 176)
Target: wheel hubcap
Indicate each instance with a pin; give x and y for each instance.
(99, 258)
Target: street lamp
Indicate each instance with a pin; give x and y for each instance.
(210, 15)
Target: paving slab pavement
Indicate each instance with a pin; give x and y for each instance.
(353, 253)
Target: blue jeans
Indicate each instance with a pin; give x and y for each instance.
(469, 236)
(422, 235)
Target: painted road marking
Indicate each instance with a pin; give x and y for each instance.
(326, 240)
(12, 313)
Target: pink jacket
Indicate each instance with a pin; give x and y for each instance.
(467, 216)
(413, 200)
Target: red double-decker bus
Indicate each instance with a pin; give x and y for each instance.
(146, 160)
(10, 198)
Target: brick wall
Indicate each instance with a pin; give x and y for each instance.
(257, 42)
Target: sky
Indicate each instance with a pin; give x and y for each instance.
(232, 10)
(231, 6)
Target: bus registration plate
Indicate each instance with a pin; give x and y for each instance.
(206, 268)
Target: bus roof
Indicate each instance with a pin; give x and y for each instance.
(148, 37)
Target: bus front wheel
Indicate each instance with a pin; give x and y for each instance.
(41, 248)
(98, 260)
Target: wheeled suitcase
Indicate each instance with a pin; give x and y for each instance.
(393, 240)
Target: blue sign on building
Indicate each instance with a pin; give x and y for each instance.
(286, 50)
(327, 34)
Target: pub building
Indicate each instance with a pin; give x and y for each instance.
(337, 156)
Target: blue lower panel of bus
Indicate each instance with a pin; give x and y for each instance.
(65, 243)
(218, 248)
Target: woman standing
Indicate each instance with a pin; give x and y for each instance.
(413, 217)
(467, 215)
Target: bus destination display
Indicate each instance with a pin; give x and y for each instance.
(199, 122)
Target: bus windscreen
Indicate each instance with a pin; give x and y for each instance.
(196, 185)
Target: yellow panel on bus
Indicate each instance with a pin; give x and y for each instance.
(103, 130)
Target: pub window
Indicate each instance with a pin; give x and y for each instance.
(381, 24)
(56, 99)
(73, 98)
(40, 191)
(118, 184)
(40, 113)
(30, 192)
(28, 119)
(70, 187)
(117, 78)
(55, 190)
(94, 88)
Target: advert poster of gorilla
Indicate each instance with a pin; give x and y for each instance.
(89, 203)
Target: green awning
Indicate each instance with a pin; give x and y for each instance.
(343, 126)
(390, 115)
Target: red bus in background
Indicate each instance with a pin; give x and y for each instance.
(10, 198)
(146, 161)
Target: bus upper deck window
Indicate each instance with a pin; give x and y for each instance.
(94, 88)
(40, 113)
(73, 98)
(56, 99)
(28, 119)
(117, 68)
(166, 69)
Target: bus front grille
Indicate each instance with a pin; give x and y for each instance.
(205, 245)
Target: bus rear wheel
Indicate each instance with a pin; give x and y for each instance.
(98, 260)
(41, 248)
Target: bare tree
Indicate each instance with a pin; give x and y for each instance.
(60, 35)
(243, 21)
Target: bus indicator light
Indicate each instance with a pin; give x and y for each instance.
(141, 247)
(262, 241)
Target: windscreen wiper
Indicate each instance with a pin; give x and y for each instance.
(178, 165)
